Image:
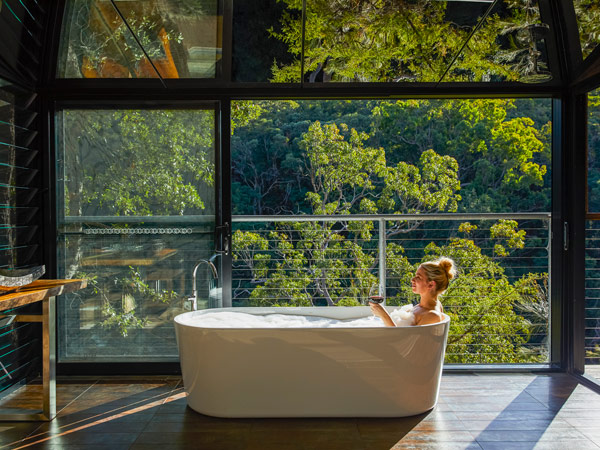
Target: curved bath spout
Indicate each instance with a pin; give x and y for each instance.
(213, 268)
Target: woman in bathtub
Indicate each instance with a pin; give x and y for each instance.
(430, 282)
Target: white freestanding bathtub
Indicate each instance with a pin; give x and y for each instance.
(310, 372)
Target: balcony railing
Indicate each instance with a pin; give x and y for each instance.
(592, 299)
(499, 302)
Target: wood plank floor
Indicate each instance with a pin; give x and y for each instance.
(475, 411)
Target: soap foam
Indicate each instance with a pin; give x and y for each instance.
(404, 317)
(245, 320)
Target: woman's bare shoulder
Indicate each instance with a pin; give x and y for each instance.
(428, 317)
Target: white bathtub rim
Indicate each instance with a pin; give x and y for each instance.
(300, 311)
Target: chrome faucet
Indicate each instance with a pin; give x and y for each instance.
(193, 300)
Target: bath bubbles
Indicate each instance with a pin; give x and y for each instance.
(224, 319)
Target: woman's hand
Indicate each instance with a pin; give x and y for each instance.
(380, 312)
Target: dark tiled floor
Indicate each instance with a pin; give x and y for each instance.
(484, 411)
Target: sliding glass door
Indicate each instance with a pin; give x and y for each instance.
(592, 235)
(136, 206)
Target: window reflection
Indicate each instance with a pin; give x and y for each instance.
(139, 277)
(135, 215)
(138, 162)
(166, 38)
(404, 41)
(588, 22)
(593, 144)
(259, 45)
(514, 51)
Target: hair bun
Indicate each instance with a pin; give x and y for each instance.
(449, 267)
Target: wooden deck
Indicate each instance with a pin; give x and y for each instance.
(475, 411)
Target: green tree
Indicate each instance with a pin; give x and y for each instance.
(345, 177)
(160, 162)
(503, 157)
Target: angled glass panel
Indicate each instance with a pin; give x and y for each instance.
(509, 46)
(173, 38)
(266, 41)
(417, 41)
(588, 22)
(593, 156)
(404, 41)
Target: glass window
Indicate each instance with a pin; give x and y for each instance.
(498, 151)
(510, 45)
(592, 300)
(416, 41)
(320, 187)
(588, 22)
(592, 260)
(593, 144)
(136, 213)
(141, 39)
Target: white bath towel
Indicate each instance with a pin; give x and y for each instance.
(404, 316)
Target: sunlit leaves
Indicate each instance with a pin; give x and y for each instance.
(432, 186)
(519, 142)
(501, 158)
(508, 233)
(342, 171)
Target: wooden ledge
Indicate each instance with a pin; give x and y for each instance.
(39, 290)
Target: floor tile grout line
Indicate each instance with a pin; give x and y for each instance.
(31, 435)
(176, 388)
(34, 432)
(593, 441)
(40, 424)
(164, 402)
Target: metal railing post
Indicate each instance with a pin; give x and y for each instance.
(382, 262)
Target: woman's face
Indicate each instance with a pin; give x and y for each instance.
(419, 283)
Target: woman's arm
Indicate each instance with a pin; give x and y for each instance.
(380, 312)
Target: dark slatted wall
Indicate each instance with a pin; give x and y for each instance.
(21, 26)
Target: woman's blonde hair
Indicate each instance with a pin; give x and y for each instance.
(441, 271)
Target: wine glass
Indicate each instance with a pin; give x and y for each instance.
(374, 296)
